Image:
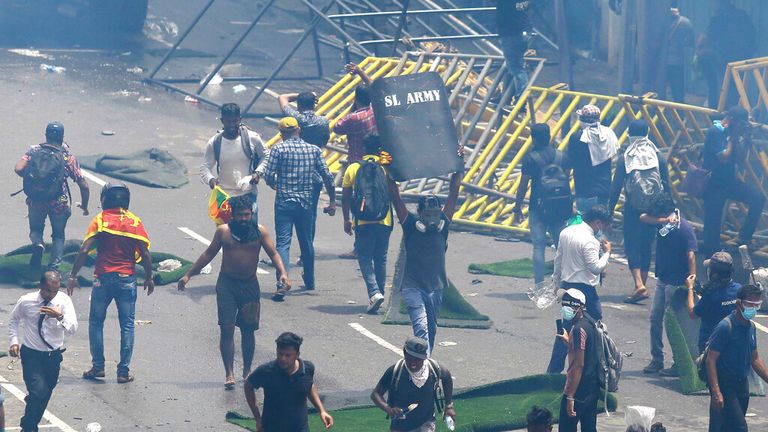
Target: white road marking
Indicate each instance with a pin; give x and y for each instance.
(93, 178)
(207, 242)
(367, 333)
(760, 327)
(20, 395)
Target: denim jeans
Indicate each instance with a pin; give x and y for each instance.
(594, 309)
(423, 308)
(288, 215)
(122, 289)
(539, 230)
(37, 218)
(661, 300)
(514, 49)
(316, 189)
(715, 200)
(371, 245)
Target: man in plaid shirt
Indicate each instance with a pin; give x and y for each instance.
(359, 123)
(56, 208)
(293, 168)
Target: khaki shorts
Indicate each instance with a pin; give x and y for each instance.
(238, 302)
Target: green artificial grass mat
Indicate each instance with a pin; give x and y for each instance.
(494, 407)
(520, 268)
(686, 364)
(454, 312)
(15, 270)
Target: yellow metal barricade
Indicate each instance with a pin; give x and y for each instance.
(740, 77)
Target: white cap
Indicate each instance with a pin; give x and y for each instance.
(573, 294)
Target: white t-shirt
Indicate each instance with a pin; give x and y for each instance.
(231, 159)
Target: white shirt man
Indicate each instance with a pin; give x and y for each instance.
(47, 316)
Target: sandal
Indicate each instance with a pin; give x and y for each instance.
(229, 384)
(637, 296)
(93, 373)
(122, 379)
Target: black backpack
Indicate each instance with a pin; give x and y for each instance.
(245, 143)
(641, 186)
(370, 195)
(555, 201)
(45, 173)
(316, 134)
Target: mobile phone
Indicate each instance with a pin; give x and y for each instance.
(559, 324)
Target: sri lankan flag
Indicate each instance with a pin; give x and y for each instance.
(218, 206)
(119, 222)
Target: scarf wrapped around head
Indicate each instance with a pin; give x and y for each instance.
(641, 154)
(602, 141)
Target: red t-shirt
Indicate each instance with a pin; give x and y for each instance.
(115, 254)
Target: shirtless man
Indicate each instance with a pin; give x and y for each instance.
(237, 289)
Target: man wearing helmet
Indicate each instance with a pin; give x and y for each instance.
(425, 236)
(45, 169)
(120, 241)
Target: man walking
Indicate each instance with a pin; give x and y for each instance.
(579, 263)
(582, 383)
(237, 288)
(590, 152)
(45, 169)
(414, 380)
(514, 27)
(365, 195)
(359, 122)
(292, 169)
(675, 49)
(726, 146)
(676, 248)
(425, 236)
(119, 238)
(47, 316)
(551, 204)
(288, 382)
(731, 359)
(235, 158)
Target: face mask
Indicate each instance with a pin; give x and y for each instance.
(430, 220)
(749, 313)
(567, 313)
(243, 231)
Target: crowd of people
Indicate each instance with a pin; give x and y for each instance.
(236, 160)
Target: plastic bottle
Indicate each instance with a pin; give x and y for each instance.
(666, 229)
(53, 69)
(449, 423)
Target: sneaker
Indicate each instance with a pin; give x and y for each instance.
(124, 379)
(670, 372)
(374, 303)
(37, 256)
(653, 367)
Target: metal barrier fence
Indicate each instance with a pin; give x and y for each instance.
(748, 79)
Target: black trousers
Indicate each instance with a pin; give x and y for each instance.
(586, 413)
(714, 202)
(736, 397)
(41, 373)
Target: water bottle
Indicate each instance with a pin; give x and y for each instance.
(666, 229)
(449, 423)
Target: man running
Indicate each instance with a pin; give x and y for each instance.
(237, 289)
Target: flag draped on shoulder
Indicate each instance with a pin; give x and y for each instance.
(218, 206)
(119, 222)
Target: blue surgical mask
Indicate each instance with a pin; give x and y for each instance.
(567, 313)
(749, 313)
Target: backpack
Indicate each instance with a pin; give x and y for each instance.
(434, 370)
(45, 173)
(316, 134)
(641, 186)
(609, 358)
(701, 360)
(555, 201)
(370, 195)
(245, 142)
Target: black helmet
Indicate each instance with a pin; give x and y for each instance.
(54, 132)
(115, 195)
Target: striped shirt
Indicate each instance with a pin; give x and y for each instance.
(292, 169)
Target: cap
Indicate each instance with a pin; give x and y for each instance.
(719, 258)
(416, 347)
(288, 123)
(738, 113)
(589, 113)
(573, 297)
(54, 130)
